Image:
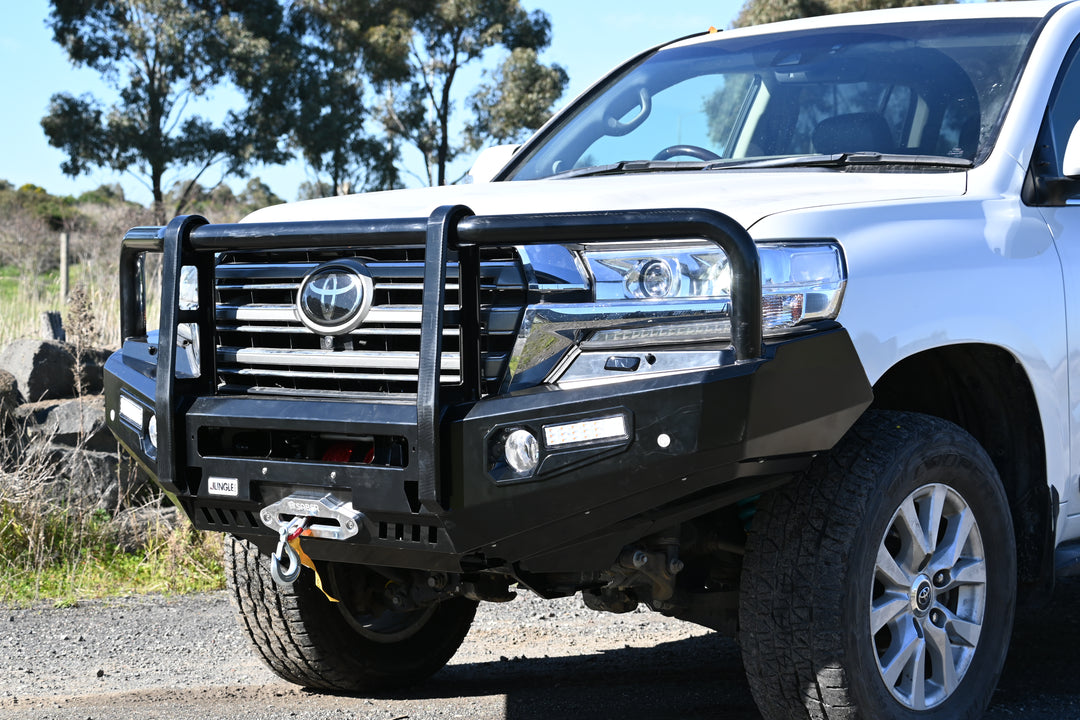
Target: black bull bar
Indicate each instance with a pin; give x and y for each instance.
(190, 240)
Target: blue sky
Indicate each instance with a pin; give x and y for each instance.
(589, 37)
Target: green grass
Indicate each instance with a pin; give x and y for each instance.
(52, 554)
(110, 573)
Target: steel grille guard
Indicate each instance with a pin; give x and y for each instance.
(191, 240)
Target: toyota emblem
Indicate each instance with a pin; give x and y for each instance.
(334, 297)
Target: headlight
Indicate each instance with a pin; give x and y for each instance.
(667, 273)
(800, 283)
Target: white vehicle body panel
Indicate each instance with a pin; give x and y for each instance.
(934, 259)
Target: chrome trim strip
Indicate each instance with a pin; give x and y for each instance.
(293, 287)
(331, 358)
(263, 271)
(393, 270)
(588, 368)
(403, 314)
(381, 398)
(549, 330)
(299, 329)
(396, 377)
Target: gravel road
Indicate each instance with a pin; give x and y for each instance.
(157, 657)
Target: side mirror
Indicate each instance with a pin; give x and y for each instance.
(1070, 164)
(489, 162)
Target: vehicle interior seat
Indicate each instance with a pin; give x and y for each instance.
(853, 132)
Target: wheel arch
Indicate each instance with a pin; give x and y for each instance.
(983, 389)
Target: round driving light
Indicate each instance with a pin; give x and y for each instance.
(151, 431)
(656, 280)
(522, 451)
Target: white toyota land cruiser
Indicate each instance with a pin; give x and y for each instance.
(775, 330)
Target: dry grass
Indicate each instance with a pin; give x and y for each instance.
(52, 549)
(57, 549)
(26, 298)
(91, 314)
(30, 282)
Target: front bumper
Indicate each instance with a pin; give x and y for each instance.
(434, 496)
(728, 433)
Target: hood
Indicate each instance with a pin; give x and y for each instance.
(745, 195)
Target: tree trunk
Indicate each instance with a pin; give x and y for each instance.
(159, 196)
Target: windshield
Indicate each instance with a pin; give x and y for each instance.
(917, 90)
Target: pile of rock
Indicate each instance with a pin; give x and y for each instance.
(53, 438)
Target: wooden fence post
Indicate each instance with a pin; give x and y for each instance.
(63, 267)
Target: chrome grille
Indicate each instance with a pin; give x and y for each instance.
(262, 347)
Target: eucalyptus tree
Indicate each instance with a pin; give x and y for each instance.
(160, 56)
(445, 36)
(343, 48)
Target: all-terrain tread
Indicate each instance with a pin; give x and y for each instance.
(794, 571)
(304, 640)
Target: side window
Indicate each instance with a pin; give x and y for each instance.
(1064, 110)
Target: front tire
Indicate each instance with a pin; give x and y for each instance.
(305, 639)
(882, 583)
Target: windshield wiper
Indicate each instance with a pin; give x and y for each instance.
(794, 161)
(629, 166)
(844, 160)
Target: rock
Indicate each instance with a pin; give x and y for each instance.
(134, 529)
(92, 369)
(9, 399)
(42, 369)
(98, 480)
(52, 326)
(80, 479)
(78, 423)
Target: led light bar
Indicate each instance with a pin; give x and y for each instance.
(131, 411)
(657, 334)
(585, 431)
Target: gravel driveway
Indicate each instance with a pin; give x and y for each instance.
(157, 657)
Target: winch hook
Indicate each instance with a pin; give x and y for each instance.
(285, 565)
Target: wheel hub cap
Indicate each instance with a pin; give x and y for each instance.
(928, 596)
(922, 596)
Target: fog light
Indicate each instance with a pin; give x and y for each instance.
(608, 428)
(151, 431)
(522, 451)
